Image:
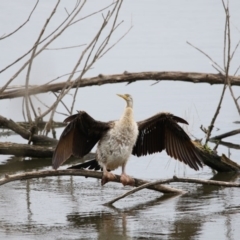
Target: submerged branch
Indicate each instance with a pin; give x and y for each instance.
(175, 179)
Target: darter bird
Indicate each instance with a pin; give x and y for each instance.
(117, 140)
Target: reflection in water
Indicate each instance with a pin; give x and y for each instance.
(14, 164)
(57, 204)
(28, 201)
(116, 224)
(193, 210)
(106, 225)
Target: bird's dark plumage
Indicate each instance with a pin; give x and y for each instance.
(79, 137)
(167, 135)
(162, 132)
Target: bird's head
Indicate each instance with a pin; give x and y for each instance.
(128, 99)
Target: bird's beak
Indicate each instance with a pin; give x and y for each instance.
(122, 96)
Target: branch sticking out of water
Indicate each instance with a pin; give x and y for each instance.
(175, 179)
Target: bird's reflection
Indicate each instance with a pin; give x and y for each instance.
(116, 223)
(107, 225)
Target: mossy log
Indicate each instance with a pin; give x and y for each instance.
(216, 162)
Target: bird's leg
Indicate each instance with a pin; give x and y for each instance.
(125, 179)
(107, 176)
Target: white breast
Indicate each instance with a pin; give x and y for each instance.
(115, 148)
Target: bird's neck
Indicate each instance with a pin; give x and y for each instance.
(127, 115)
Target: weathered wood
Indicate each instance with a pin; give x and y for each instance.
(227, 144)
(175, 179)
(85, 173)
(216, 162)
(26, 134)
(42, 124)
(224, 135)
(210, 158)
(126, 77)
(206, 182)
(25, 150)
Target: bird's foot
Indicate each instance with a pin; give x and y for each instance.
(127, 180)
(107, 176)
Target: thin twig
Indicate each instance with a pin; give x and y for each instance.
(230, 57)
(53, 38)
(91, 14)
(236, 71)
(31, 104)
(206, 56)
(62, 48)
(113, 45)
(102, 45)
(227, 45)
(8, 35)
(45, 105)
(63, 104)
(32, 57)
(67, 88)
(225, 135)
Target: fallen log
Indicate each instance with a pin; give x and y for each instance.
(214, 161)
(26, 134)
(25, 150)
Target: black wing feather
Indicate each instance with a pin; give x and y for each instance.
(162, 132)
(79, 137)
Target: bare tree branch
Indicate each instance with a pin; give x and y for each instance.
(175, 179)
(126, 77)
(84, 173)
(26, 134)
(63, 48)
(210, 127)
(8, 35)
(102, 45)
(224, 135)
(26, 63)
(31, 60)
(217, 65)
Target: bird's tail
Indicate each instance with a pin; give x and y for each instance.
(91, 165)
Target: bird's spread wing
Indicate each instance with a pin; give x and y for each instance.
(79, 137)
(162, 132)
